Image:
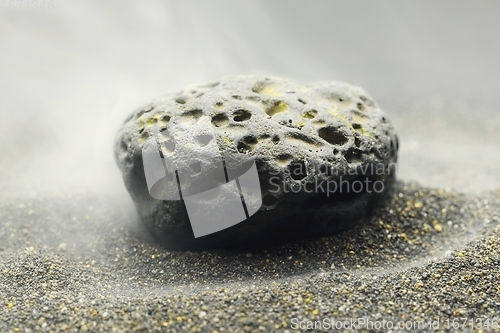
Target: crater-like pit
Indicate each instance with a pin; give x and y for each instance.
(220, 120)
(297, 170)
(242, 115)
(333, 136)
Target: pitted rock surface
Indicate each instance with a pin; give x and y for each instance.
(300, 136)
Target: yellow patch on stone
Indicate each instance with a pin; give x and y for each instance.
(363, 131)
(309, 114)
(267, 89)
(358, 118)
(270, 91)
(349, 124)
(151, 122)
(277, 108)
(146, 120)
(340, 116)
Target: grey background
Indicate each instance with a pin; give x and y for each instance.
(69, 76)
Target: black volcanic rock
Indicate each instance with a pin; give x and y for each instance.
(324, 152)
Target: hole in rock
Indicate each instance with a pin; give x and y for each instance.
(220, 120)
(298, 170)
(332, 136)
(241, 115)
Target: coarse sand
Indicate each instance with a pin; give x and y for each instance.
(425, 254)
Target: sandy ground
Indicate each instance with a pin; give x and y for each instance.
(426, 254)
(73, 255)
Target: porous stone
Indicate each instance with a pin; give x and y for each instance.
(306, 140)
